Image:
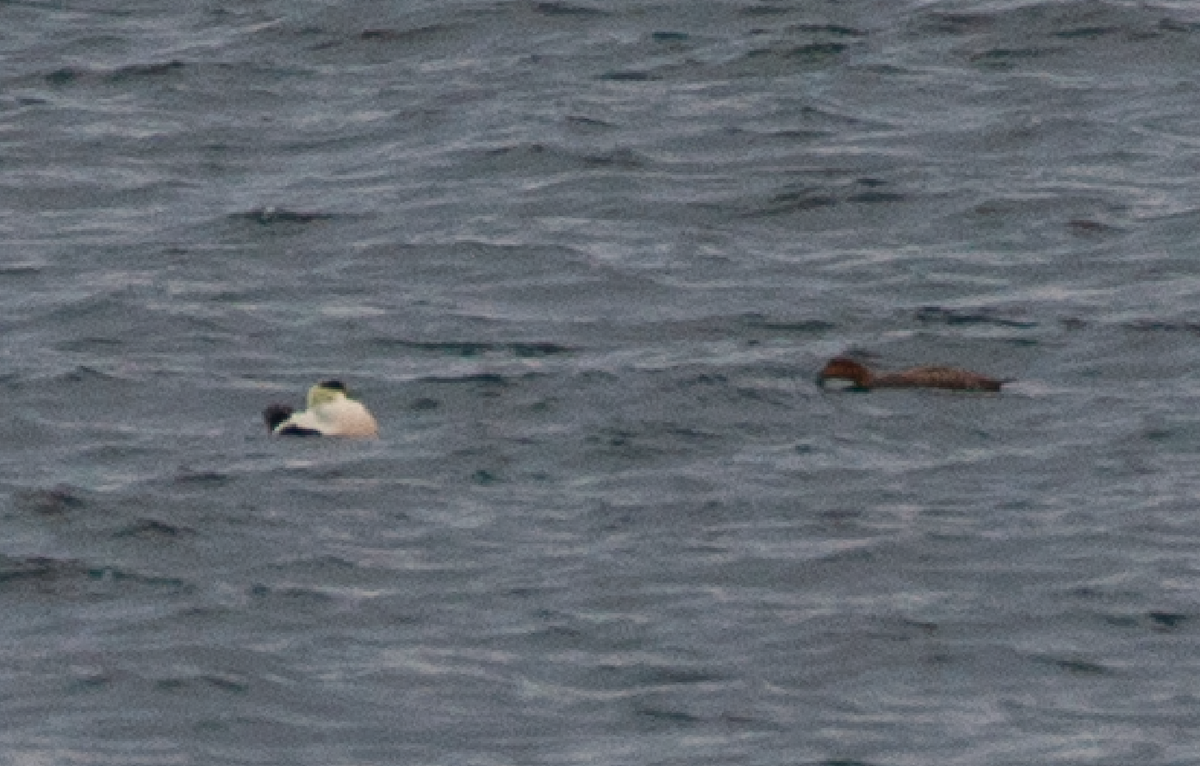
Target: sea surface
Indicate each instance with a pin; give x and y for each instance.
(583, 260)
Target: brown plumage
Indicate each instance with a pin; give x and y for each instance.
(844, 368)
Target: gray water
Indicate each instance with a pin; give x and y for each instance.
(583, 259)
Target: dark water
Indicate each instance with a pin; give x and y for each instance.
(583, 260)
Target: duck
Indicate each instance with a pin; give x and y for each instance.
(860, 378)
(330, 412)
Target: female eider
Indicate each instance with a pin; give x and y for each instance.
(845, 370)
(330, 413)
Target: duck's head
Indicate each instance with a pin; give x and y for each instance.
(325, 392)
(845, 372)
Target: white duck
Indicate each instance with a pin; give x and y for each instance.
(330, 412)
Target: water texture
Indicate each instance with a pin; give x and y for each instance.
(582, 260)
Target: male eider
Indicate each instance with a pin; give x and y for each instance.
(330, 413)
(845, 370)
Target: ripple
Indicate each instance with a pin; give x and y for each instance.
(59, 500)
(65, 577)
(271, 216)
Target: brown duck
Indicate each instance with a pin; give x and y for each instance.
(843, 368)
